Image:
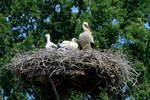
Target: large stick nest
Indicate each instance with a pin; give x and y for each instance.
(82, 69)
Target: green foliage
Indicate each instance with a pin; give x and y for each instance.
(23, 24)
(104, 96)
(76, 95)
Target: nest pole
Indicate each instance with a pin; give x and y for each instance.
(54, 90)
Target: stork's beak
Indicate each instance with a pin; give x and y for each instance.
(87, 26)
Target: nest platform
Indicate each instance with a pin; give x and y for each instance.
(78, 69)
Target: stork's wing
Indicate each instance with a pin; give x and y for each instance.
(64, 44)
(54, 45)
(86, 37)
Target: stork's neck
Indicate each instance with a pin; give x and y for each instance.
(86, 29)
(48, 39)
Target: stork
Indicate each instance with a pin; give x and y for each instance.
(49, 44)
(86, 38)
(69, 44)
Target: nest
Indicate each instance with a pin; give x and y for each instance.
(75, 68)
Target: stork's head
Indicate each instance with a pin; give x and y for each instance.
(86, 27)
(47, 37)
(74, 40)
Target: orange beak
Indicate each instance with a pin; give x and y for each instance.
(88, 27)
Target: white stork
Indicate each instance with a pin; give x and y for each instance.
(49, 44)
(69, 44)
(86, 39)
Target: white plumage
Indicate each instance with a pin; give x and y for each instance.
(69, 44)
(49, 44)
(86, 38)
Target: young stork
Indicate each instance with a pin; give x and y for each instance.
(86, 38)
(69, 44)
(49, 44)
